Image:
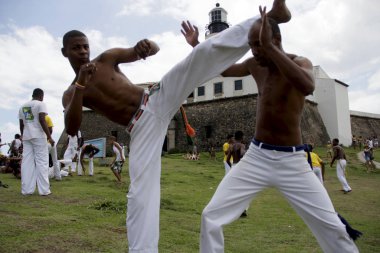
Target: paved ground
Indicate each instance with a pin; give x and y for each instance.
(361, 158)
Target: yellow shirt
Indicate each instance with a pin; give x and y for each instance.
(48, 120)
(315, 160)
(226, 146)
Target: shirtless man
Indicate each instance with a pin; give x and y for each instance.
(101, 86)
(236, 150)
(276, 155)
(341, 164)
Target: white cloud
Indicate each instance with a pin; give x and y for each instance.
(140, 8)
(374, 82)
(364, 101)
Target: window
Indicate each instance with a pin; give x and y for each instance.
(201, 91)
(218, 88)
(216, 16)
(238, 84)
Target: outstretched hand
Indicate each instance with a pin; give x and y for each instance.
(265, 30)
(190, 32)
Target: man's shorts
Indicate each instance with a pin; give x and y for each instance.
(117, 166)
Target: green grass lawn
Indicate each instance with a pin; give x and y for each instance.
(87, 214)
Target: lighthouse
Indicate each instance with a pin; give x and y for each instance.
(218, 21)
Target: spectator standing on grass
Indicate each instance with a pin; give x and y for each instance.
(71, 152)
(354, 141)
(360, 142)
(34, 131)
(368, 161)
(341, 163)
(236, 151)
(226, 145)
(317, 164)
(118, 161)
(53, 152)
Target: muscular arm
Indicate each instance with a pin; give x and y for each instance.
(73, 110)
(141, 50)
(229, 157)
(237, 70)
(94, 151)
(298, 71)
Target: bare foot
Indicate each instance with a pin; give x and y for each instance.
(280, 12)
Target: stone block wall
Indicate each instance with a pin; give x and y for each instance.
(365, 126)
(214, 120)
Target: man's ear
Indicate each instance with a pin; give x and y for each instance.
(63, 52)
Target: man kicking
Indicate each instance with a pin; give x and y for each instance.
(100, 85)
(276, 155)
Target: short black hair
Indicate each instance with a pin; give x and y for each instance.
(229, 136)
(17, 136)
(71, 34)
(37, 92)
(239, 135)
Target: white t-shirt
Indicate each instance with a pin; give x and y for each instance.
(17, 143)
(29, 114)
(117, 153)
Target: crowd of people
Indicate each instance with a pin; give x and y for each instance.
(33, 153)
(368, 146)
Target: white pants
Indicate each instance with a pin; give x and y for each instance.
(340, 173)
(227, 167)
(318, 172)
(56, 167)
(207, 60)
(35, 167)
(291, 175)
(69, 155)
(91, 166)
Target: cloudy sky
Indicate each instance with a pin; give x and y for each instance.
(341, 36)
